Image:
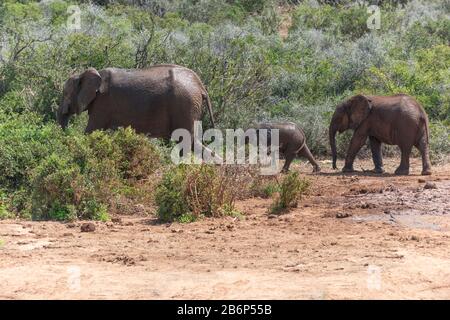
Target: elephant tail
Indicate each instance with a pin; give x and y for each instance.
(208, 104)
(427, 130)
(304, 138)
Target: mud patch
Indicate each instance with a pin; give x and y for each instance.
(123, 259)
(420, 200)
(411, 207)
(408, 220)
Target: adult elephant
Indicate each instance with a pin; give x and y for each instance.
(155, 101)
(395, 120)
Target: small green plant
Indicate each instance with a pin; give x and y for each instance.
(186, 218)
(96, 210)
(61, 212)
(231, 211)
(292, 188)
(270, 189)
(264, 187)
(189, 192)
(2, 243)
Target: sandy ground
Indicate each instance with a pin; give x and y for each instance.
(355, 236)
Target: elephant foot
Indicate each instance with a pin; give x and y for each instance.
(284, 170)
(426, 172)
(348, 169)
(402, 172)
(316, 169)
(378, 170)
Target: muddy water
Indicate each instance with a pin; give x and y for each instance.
(413, 207)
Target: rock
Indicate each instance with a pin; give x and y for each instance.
(116, 220)
(71, 225)
(341, 215)
(363, 191)
(366, 205)
(422, 180)
(391, 188)
(87, 227)
(430, 185)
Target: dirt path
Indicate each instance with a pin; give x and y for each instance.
(394, 243)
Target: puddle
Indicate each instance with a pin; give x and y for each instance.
(412, 208)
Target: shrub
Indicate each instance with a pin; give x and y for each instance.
(68, 174)
(292, 188)
(427, 78)
(4, 212)
(264, 186)
(57, 189)
(188, 192)
(439, 140)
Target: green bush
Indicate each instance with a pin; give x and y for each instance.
(292, 187)
(58, 188)
(69, 175)
(4, 212)
(188, 192)
(427, 78)
(439, 140)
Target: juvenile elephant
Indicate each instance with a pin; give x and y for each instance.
(155, 101)
(292, 142)
(395, 120)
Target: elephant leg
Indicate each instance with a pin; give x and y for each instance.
(287, 163)
(95, 122)
(424, 151)
(403, 168)
(91, 127)
(307, 154)
(375, 147)
(356, 143)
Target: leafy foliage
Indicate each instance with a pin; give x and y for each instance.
(188, 192)
(292, 187)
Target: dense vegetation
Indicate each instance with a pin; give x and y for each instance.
(260, 59)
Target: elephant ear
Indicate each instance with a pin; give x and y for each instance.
(359, 109)
(69, 93)
(106, 78)
(89, 84)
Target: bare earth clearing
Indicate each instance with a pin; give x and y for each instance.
(355, 236)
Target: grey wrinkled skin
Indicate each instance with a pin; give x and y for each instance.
(396, 120)
(292, 142)
(154, 101)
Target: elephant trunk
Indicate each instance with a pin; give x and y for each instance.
(332, 132)
(62, 117)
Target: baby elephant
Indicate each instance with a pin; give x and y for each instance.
(292, 142)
